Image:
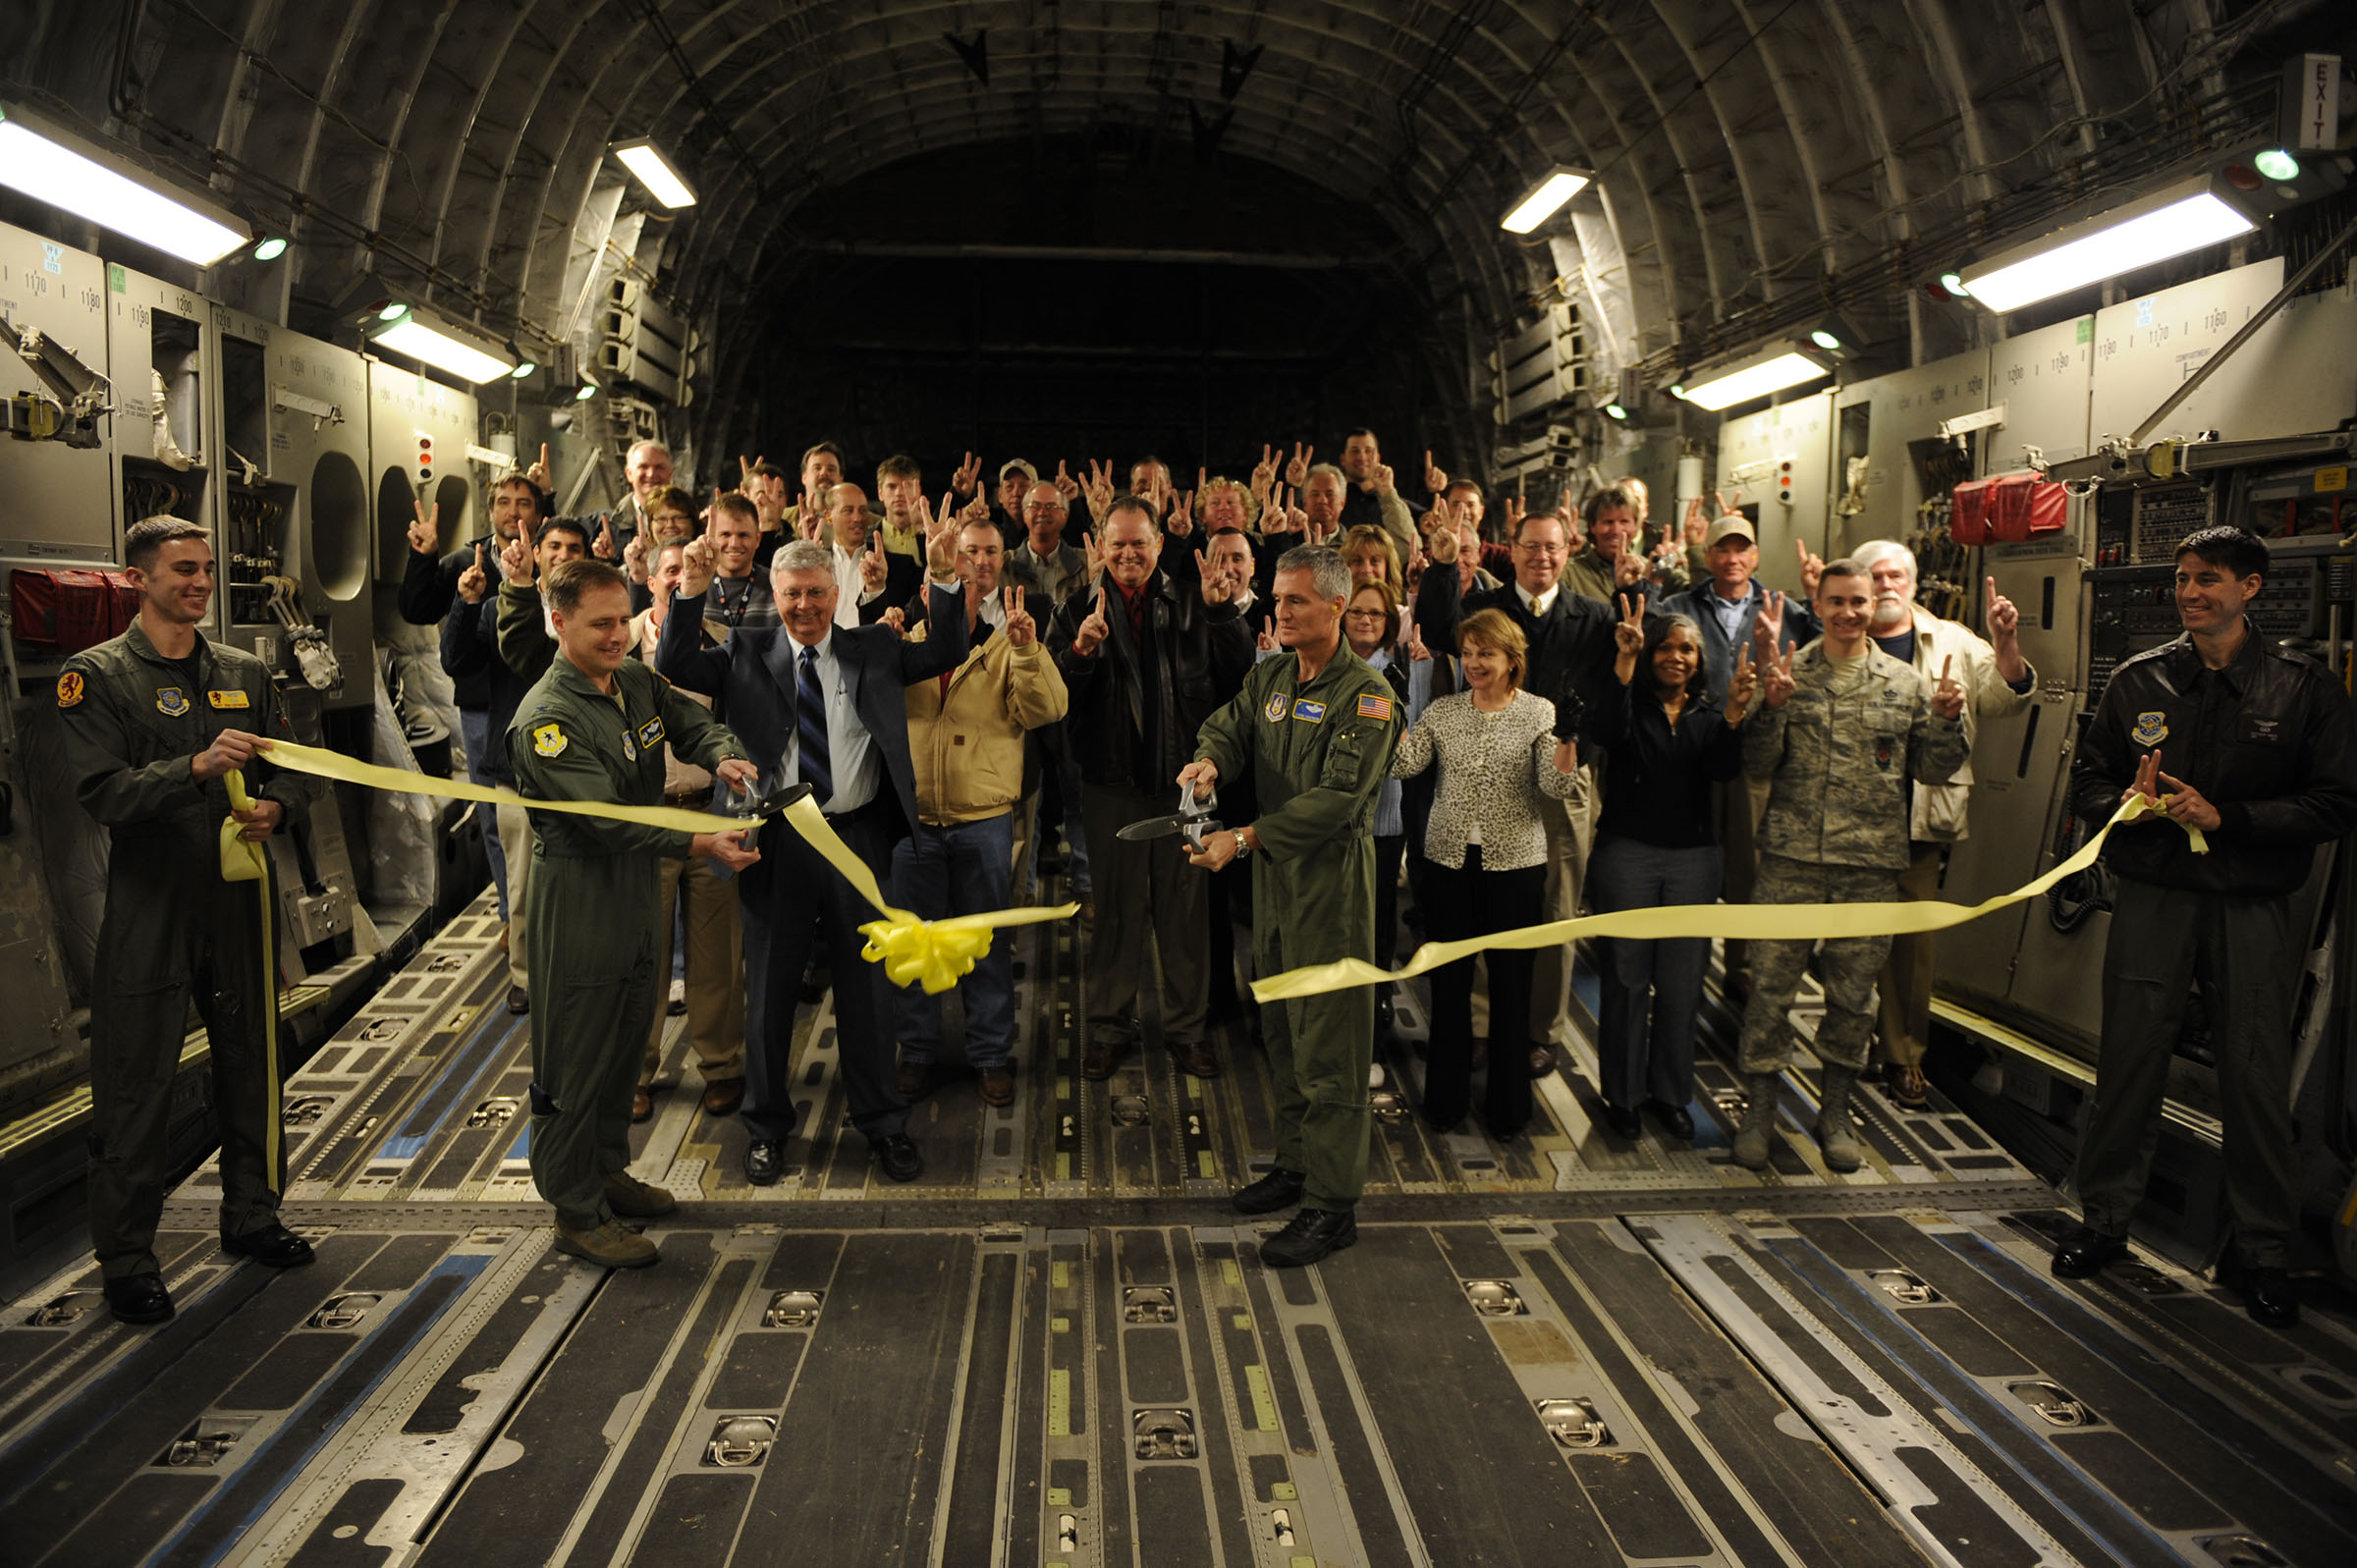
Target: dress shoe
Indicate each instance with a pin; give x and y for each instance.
(1197, 1059)
(764, 1161)
(642, 1103)
(1308, 1236)
(138, 1298)
(722, 1096)
(611, 1245)
(1097, 1062)
(1675, 1120)
(998, 1084)
(1904, 1086)
(1542, 1059)
(1279, 1189)
(2268, 1296)
(2085, 1250)
(815, 982)
(899, 1157)
(633, 1199)
(272, 1244)
(915, 1080)
(1623, 1119)
(519, 1001)
(503, 935)
(1385, 1017)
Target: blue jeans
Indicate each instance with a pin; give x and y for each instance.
(475, 726)
(966, 868)
(1642, 1059)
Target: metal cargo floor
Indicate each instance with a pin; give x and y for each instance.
(1061, 1347)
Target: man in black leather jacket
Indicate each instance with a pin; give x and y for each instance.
(2251, 744)
(1146, 660)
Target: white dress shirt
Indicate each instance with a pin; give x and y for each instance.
(1538, 604)
(850, 750)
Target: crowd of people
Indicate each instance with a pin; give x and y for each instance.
(1000, 682)
(1389, 719)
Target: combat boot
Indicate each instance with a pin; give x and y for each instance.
(1759, 1120)
(1836, 1140)
(632, 1198)
(611, 1245)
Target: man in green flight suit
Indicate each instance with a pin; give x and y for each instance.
(153, 721)
(593, 729)
(1314, 735)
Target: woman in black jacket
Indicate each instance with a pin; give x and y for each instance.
(1657, 844)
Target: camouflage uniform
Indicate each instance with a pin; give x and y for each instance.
(1839, 754)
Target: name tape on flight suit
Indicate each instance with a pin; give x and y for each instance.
(1749, 922)
(933, 953)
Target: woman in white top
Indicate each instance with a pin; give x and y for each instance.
(1499, 755)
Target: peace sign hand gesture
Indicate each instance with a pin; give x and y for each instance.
(1093, 548)
(1696, 525)
(1947, 696)
(1777, 677)
(809, 521)
(1020, 630)
(1767, 628)
(1099, 488)
(1742, 687)
(941, 543)
(874, 568)
(1264, 473)
(1629, 632)
(1812, 568)
(1094, 629)
(1296, 472)
(1182, 520)
(966, 478)
(425, 534)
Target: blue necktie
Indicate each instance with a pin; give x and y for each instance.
(810, 730)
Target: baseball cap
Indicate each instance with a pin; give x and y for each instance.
(1730, 526)
(1018, 465)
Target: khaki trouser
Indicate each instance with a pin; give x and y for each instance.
(515, 838)
(1905, 1016)
(715, 971)
(1739, 804)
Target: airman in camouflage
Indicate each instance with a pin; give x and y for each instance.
(1844, 731)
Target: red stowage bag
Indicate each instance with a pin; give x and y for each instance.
(2023, 506)
(65, 611)
(1968, 512)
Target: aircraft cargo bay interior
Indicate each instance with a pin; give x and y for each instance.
(799, 782)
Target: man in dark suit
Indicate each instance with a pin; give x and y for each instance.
(1570, 638)
(820, 704)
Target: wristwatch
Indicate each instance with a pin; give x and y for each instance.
(1244, 845)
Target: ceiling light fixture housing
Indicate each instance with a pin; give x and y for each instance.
(1776, 368)
(1546, 199)
(465, 351)
(50, 164)
(2178, 218)
(654, 171)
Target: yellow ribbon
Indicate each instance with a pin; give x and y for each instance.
(934, 953)
(1748, 922)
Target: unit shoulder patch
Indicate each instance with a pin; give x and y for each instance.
(228, 699)
(1371, 706)
(2150, 729)
(171, 702)
(69, 689)
(549, 740)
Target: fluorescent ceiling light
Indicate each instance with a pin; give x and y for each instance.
(1770, 370)
(113, 193)
(445, 347)
(654, 171)
(1544, 200)
(2169, 223)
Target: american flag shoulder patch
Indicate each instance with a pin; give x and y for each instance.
(1375, 708)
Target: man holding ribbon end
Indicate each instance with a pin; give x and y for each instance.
(1314, 738)
(2257, 742)
(1844, 731)
(153, 720)
(593, 729)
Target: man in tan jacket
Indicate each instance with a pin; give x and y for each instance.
(715, 933)
(966, 737)
(1996, 680)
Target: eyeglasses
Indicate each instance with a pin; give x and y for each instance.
(1529, 548)
(1363, 615)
